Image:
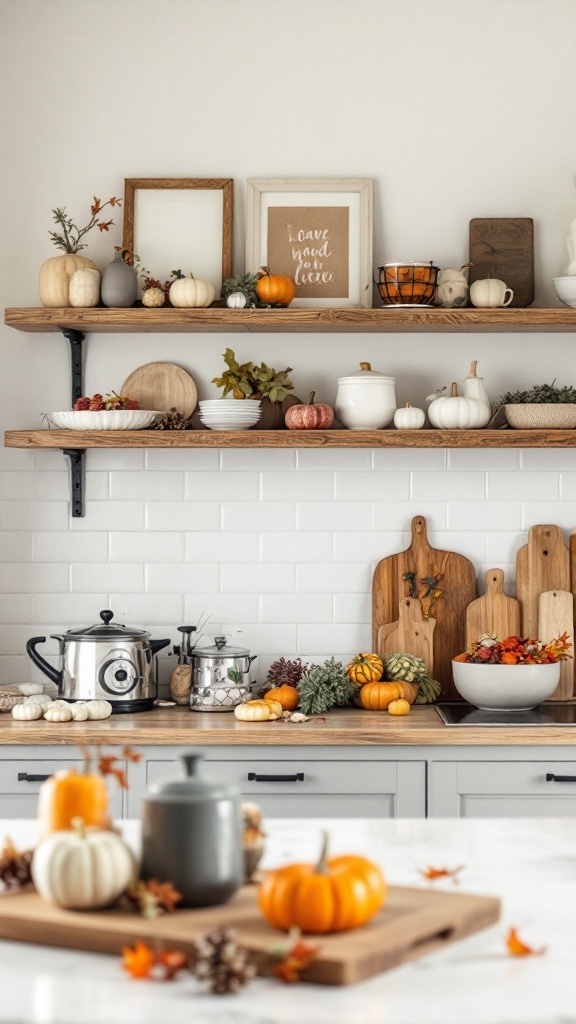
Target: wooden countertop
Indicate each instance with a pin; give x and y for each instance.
(348, 727)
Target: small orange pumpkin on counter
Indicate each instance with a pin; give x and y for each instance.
(274, 289)
(310, 415)
(70, 794)
(333, 895)
(377, 696)
(399, 707)
(285, 694)
(365, 668)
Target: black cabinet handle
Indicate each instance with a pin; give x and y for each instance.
(560, 778)
(24, 777)
(254, 777)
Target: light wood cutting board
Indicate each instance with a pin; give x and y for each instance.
(494, 612)
(555, 617)
(412, 923)
(542, 564)
(458, 590)
(412, 634)
(162, 386)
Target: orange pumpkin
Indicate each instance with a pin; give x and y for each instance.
(71, 794)
(286, 695)
(377, 696)
(399, 707)
(409, 691)
(309, 416)
(274, 289)
(330, 896)
(365, 668)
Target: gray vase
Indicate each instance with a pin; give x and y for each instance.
(119, 283)
(192, 836)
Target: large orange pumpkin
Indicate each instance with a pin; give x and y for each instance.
(377, 696)
(331, 896)
(274, 289)
(71, 794)
(286, 695)
(365, 668)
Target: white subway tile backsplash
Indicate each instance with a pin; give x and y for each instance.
(257, 579)
(37, 515)
(524, 486)
(19, 486)
(140, 486)
(368, 546)
(549, 458)
(296, 547)
(264, 515)
(483, 458)
(182, 579)
(183, 458)
(261, 639)
(56, 486)
(16, 608)
(33, 578)
(182, 515)
(215, 546)
(568, 486)
(17, 547)
(221, 608)
(13, 640)
(470, 543)
(141, 609)
(292, 486)
(434, 486)
(557, 512)
(484, 515)
(69, 609)
(62, 546)
(146, 547)
(337, 515)
(503, 546)
(87, 579)
(296, 608)
(223, 486)
(257, 459)
(326, 577)
(110, 515)
(346, 637)
(397, 515)
(312, 458)
(352, 608)
(115, 458)
(97, 486)
(18, 669)
(385, 459)
(366, 484)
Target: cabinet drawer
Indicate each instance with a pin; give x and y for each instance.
(524, 778)
(20, 781)
(294, 777)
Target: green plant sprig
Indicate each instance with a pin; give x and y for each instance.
(245, 380)
(541, 394)
(69, 238)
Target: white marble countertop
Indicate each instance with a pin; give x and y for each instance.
(530, 865)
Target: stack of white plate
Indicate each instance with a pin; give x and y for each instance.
(236, 414)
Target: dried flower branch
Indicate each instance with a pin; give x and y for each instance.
(69, 237)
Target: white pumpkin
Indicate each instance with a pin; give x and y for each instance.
(29, 688)
(38, 698)
(54, 278)
(489, 293)
(450, 412)
(153, 298)
(57, 713)
(473, 387)
(26, 712)
(451, 289)
(79, 712)
(84, 287)
(236, 300)
(83, 869)
(188, 293)
(409, 418)
(98, 709)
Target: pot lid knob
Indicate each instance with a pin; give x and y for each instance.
(220, 642)
(106, 616)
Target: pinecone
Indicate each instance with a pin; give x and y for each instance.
(217, 959)
(15, 866)
(173, 420)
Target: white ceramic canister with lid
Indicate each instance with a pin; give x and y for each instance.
(366, 400)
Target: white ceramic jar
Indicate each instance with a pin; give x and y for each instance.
(366, 400)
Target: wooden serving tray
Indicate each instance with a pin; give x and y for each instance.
(413, 922)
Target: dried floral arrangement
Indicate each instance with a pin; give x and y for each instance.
(487, 650)
(69, 237)
(541, 394)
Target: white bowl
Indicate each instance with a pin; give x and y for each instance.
(228, 419)
(565, 288)
(105, 419)
(230, 405)
(505, 687)
(227, 426)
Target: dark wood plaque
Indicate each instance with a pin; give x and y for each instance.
(503, 247)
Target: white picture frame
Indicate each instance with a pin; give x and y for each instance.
(304, 247)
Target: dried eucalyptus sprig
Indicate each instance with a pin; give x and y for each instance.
(541, 394)
(68, 239)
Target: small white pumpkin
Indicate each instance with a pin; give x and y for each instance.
(84, 287)
(450, 412)
(54, 278)
(451, 289)
(409, 418)
(38, 698)
(236, 300)
(83, 869)
(188, 293)
(29, 688)
(27, 712)
(98, 709)
(153, 298)
(490, 293)
(79, 712)
(57, 713)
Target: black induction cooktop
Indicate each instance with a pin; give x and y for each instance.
(455, 713)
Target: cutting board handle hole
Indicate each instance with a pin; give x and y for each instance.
(444, 935)
(544, 552)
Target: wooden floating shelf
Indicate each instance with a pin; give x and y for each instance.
(220, 319)
(79, 439)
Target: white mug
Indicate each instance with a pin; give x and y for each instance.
(490, 292)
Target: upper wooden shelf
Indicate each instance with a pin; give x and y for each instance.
(351, 321)
(80, 439)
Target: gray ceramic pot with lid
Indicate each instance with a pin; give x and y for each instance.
(220, 676)
(192, 836)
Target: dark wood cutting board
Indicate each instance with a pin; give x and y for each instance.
(458, 590)
(412, 923)
(503, 247)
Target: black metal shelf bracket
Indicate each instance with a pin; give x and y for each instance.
(77, 460)
(75, 338)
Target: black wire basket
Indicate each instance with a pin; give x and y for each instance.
(407, 284)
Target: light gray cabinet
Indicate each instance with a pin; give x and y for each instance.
(24, 769)
(502, 789)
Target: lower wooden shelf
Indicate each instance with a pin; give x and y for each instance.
(81, 439)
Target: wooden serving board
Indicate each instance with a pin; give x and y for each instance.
(162, 386)
(458, 590)
(542, 564)
(503, 247)
(412, 633)
(494, 613)
(412, 923)
(555, 617)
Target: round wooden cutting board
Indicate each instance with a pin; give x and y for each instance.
(162, 386)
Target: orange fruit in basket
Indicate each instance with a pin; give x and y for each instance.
(421, 273)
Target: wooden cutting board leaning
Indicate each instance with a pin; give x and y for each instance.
(162, 386)
(555, 617)
(412, 923)
(543, 564)
(412, 633)
(494, 613)
(422, 571)
(503, 247)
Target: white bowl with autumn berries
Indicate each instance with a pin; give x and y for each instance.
(509, 675)
(105, 419)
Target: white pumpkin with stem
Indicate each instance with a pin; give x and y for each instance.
(84, 287)
(55, 275)
(82, 869)
(190, 293)
(451, 412)
(409, 418)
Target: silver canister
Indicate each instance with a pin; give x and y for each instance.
(220, 677)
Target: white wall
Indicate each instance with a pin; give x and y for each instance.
(456, 110)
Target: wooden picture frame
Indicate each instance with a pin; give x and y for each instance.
(328, 254)
(180, 223)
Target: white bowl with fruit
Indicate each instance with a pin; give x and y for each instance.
(105, 412)
(509, 675)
